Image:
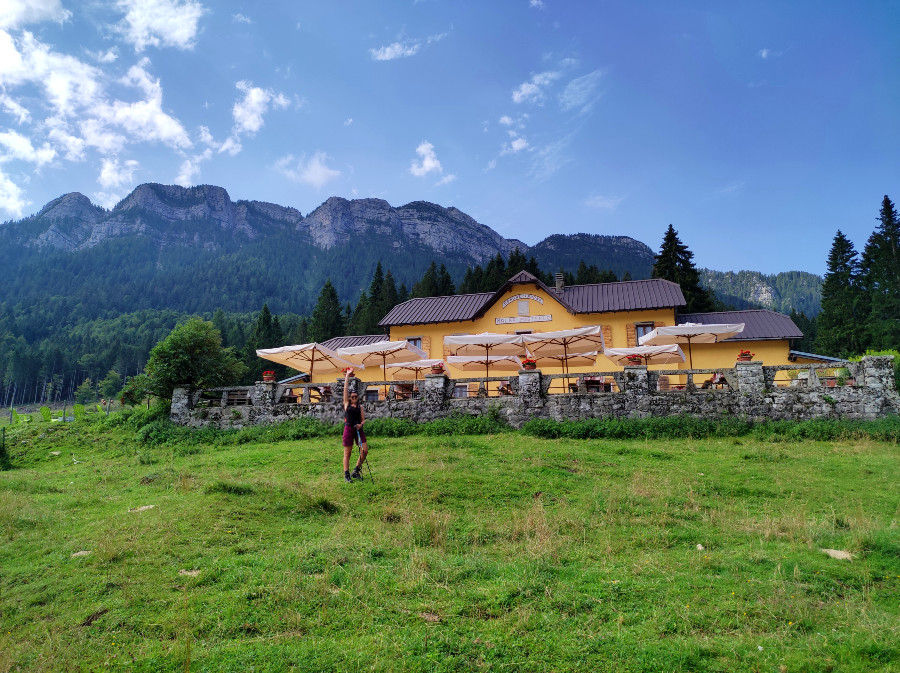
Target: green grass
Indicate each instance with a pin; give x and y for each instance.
(499, 552)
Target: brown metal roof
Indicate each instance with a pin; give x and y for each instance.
(759, 324)
(350, 341)
(633, 295)
(426, 310)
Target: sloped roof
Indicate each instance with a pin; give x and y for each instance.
(759, 324)
(350, 341)
(632, 295)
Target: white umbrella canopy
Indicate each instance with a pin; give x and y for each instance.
(486, 362)
(306, 358)
(651, 355)
(415, 367)
(565, 342)
(689, 333)
(383, 353)
(565, 361)
(485, 343)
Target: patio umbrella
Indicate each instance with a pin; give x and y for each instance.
(383, 353)
(476, 362)
(565, 344)
(656, 355)
(485, 345)
(414, 367)
(689, 333)
(306, 358)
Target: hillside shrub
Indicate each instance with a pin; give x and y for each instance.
(686, 427)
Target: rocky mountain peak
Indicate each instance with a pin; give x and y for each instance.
(71, 206)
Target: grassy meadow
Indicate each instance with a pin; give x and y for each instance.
(499, 552)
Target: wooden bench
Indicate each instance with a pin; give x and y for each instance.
(237, 398)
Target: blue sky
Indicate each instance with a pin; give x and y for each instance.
(756, 128)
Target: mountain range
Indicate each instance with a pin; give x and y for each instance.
(193, 249)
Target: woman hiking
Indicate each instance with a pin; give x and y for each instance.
(354, 418)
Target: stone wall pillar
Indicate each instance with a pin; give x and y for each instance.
(878, 372)
(181, 405)
(750, 378)
(635, 380)
(530, 387)
(262, 394)
(434, 392)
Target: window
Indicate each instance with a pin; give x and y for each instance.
(523, 331)
(414, 341)
(642, 328)
(461, 390)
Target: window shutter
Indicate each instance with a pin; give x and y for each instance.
(607, 335)
(631, 335)
(426, 345)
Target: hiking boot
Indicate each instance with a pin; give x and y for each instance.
(347, 478)
(357, 473)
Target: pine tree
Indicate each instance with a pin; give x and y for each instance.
(880, 279)
(444, 283)
(327, 320)
(676, 263)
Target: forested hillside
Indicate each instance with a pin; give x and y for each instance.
(790, 290)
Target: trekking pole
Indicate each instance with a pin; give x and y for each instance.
(366, 461)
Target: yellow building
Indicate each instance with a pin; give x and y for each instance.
(625, 311)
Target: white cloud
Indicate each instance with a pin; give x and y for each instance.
(248, 112)
(580, 92)
(515, 146)
(115, 174)
(240, 18)
(12, 199)
(348, 121)
(532, 91)
(161, 23)
(600, 202)
(313, 172)
(106, 199)
(16, 146)
(58, 132)
(732, 188)
(144, 120)
(13, 108)
(190, 168)
(446, 180)
(394, 51)
(536, 3)
(549, 159)
(68, 83)
(506, 120)
(15, 13)
(404, 49)
(491, 165)
(108, 56)
(763, 53)
(428, 163)
(231, 146)
(96, 134)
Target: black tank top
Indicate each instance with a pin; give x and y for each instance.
(352, 415)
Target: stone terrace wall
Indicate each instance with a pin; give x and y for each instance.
(751, 395)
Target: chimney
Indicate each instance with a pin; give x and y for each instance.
(559, 283)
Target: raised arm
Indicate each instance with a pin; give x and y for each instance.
(347, 392)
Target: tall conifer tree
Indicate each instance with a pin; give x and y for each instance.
(676, 263)
(840, 326)
(880, 278)
(327, 320)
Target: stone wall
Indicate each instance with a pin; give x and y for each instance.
(750, 395)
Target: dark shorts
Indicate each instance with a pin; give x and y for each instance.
(350, 436)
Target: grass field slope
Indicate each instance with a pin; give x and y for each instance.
(127, 548)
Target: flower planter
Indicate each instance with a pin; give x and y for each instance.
(268, 379)
(745, 359)
(529, 366)
(437, 370)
